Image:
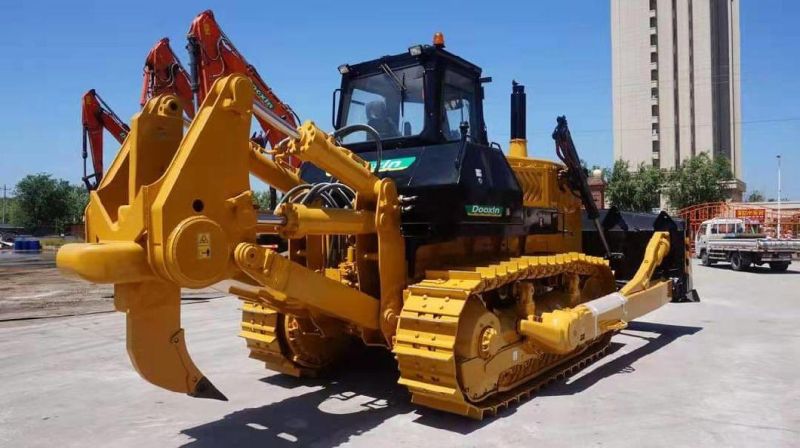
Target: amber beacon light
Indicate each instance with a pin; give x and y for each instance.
(438, 40)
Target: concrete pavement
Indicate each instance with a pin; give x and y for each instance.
(723, 372)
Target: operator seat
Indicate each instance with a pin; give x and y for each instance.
(378, 118)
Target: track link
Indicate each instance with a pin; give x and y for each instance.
(429, 322)
(261, 327)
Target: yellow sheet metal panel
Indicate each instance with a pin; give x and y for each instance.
(216, 147)
(157, 142)
(541, 189)
(518, 148)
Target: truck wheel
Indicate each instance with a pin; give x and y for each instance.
(737, 263)
(704, 259)
(779, 266)
(747, 260)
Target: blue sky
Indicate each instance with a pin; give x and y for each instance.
(52, 52)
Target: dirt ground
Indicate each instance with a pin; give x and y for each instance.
(31, 288)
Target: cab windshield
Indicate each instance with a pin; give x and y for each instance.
(392, 102)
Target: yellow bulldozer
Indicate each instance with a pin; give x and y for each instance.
(405, 227)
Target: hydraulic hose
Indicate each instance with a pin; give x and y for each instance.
(347, 130)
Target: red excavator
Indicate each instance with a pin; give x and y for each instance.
(97, 116)
(212, 56)
(163, 73)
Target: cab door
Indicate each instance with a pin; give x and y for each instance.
(700, 240)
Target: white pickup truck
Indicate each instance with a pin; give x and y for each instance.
(741, 243)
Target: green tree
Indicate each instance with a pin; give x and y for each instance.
(261, 199)
(637, 191)
(698, 180)
(6, 209)
(42, 201)
(621, 186)
(756, 196)
(650, 181)
(77, 200)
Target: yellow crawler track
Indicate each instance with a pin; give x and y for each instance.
(429, 322)
(261, 329)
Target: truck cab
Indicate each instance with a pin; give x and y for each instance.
(720, 228)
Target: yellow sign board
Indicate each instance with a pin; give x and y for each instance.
(751, 213)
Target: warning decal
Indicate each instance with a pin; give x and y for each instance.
(203, 245)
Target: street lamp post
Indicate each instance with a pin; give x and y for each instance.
(779, 196)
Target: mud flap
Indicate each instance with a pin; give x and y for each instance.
(155, 341)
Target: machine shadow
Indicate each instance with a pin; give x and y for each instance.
(666, 335)
(356, 398)
(765, 270)
(623, 364)
(365, 393)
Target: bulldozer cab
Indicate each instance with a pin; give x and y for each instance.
(426, 96)
(424, 108)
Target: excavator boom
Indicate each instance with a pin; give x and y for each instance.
(164, 74)
(97, 116)
(214, 56)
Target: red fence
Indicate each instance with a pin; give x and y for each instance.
(696, 214)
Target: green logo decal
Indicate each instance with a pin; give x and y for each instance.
(492, 211)
(393, 164)
(263, 98)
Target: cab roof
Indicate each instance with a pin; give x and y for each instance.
(426, 53)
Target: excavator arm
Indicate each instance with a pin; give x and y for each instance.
(164, 74)
(213, 56)
(97, 116)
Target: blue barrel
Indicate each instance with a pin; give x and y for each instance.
(34, 245)
(27, 244)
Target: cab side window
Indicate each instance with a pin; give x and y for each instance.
(459, 100)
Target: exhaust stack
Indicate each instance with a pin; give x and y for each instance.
(518, 146)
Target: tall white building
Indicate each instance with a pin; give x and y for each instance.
(675, 79)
